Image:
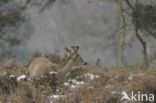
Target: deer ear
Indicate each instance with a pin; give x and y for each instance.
(69, 52)
(75, 48)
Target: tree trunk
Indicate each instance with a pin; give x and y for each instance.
(124, 33)
(143, 43)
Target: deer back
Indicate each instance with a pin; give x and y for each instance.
(40, 66)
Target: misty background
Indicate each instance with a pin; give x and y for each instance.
(84, 22)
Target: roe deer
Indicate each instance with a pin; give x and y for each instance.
(40, 65)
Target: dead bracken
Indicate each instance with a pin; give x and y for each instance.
(79, 84)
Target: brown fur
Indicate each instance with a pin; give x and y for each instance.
(41, 65)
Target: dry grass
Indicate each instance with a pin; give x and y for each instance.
(106, 88)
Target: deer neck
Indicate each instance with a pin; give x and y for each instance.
(68, 64)
(66, 68)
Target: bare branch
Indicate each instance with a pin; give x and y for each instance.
(129, 4)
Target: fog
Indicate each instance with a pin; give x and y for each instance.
(76, 22)
(83, 22)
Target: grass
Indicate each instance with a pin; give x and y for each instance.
(106, 88)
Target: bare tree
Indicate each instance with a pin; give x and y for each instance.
(11, 19)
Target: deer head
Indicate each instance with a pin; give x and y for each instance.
(74, 59)
(74, 55)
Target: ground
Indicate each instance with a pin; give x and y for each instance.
(82, 85)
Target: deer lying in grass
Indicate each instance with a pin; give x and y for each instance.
(40, 65)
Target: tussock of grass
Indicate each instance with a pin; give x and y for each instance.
(106, 87)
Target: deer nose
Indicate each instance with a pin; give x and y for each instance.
(85, 63)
